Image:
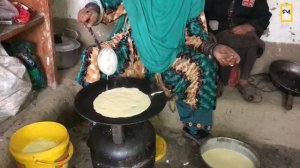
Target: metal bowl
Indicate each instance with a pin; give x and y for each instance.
(230, 144)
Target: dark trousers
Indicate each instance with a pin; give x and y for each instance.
(248, 46)
(248, 58)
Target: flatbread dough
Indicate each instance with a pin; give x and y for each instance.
(121, 102)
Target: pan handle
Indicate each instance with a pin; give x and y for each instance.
(289, 101)
(154, 93)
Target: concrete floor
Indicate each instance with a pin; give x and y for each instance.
(184, 153)
(268, 127)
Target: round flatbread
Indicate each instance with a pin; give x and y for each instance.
(121, 102)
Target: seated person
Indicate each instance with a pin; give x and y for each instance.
(239, 24)
(162, 40)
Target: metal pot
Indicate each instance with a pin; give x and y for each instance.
(67, 50)
(230, 144)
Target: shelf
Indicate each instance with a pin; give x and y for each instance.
(8, 31)
(39, 30)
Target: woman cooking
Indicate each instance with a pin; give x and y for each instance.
(165, 41)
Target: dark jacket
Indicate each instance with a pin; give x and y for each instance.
(258, 15)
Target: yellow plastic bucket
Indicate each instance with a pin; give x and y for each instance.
(161, 148)
(41, 145)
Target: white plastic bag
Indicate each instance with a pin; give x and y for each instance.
(7, 10)
(107, 61)
(15, 84)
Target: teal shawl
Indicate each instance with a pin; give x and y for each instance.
(158, 28)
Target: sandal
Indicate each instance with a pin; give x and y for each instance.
(199, 138)
(250, 93)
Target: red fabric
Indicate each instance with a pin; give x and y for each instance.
(24, 13)
(248, 3)
(234, 76)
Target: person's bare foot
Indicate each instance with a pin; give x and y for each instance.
(243, 82)
(249, 93)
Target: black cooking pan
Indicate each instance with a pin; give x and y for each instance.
(84, 100)
(286, 76)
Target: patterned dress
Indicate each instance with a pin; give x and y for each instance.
(192, 76)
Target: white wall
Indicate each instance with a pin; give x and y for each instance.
(283, 32)
(277, 31)
(67, 8)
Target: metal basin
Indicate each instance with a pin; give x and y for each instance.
(230, 144)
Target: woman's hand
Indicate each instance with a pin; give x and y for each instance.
(87, 17)
(225, 55)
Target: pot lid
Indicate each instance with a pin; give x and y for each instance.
(67, 44)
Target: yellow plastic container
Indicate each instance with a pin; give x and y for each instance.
(161, 148)
(54, 157)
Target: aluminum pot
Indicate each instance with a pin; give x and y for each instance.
(67, 50)
(230, 144)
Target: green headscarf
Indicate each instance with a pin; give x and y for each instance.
(158, 28)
